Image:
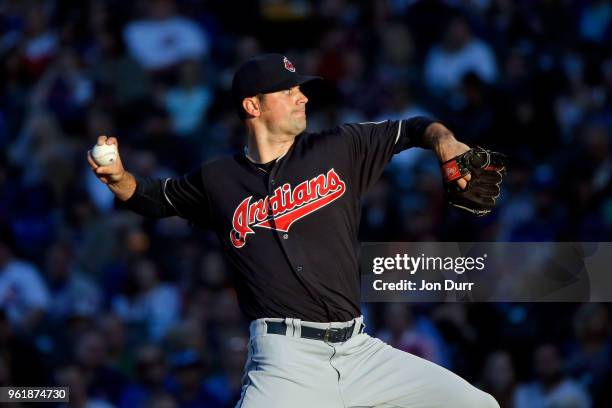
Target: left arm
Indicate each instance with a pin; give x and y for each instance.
(441, 140)
(372, 144)
(472, 177)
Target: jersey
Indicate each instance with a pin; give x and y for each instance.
(290, 229)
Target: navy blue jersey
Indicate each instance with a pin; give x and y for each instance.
(289, 229)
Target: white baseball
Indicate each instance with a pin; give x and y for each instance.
(104, 155)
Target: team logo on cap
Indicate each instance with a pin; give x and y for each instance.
(288, 65)
(279, 211)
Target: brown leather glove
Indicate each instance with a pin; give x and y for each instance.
(486, 168)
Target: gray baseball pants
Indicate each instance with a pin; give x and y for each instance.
(292, 372)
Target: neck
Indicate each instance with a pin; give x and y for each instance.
(264, 149)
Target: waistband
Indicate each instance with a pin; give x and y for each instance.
(294, 326)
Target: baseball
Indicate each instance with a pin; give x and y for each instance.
(104, 155)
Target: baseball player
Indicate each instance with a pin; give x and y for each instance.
(286, 211)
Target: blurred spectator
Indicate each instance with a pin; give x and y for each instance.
(21, 362)
(162, 400)
(71, 292)
(40, 135)
(475, 113)
(151, 378)
(72, 377)
(415, 336)
(91, 357)
(65, 89)
(23, 294)
(458, 328)
(379, 214)
(40, 43)
(119, 76)
(97, 235)
(163, 38)
(226, 314)
(188, 334)
(457, 54)
(227, 385)
(211, 272)
(200, 305)
(498, 378)
(5, 377)
(590, 362)
(596, 22)
(188, 102)
(396, 64)
(120, 356)
(551, 388)
(147, 300)
(189, 387)
(14, 94)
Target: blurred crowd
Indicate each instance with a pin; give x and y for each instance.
(131, 312)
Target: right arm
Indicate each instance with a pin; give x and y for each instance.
(157, 198)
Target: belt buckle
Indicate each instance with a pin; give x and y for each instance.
(328, 333)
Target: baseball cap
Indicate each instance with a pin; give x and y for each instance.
(265, 73)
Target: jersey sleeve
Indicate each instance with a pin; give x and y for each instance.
(187, 196)
(184, 196)
(372, 144)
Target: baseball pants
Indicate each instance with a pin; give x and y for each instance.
(285, 371)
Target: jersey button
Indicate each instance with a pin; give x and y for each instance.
(272, 181)
(285, 236)
(299, 269)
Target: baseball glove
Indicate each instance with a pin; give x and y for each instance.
(486, 168)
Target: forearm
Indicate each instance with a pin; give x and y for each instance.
(147, 198)
(441, 140)
(125, 188)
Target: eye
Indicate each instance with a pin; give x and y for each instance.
(287, 92)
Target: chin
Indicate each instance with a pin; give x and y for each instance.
(301, 126)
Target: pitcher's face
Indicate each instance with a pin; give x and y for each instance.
(284, 111)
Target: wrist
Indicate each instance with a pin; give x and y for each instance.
(124, 186)
(442, 141)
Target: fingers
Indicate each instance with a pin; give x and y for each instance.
(106, 174)
(91, 162)
(463, 182)
(112, 140)
(108, 140)
(101, 140)
(99, 171)
(106, 170)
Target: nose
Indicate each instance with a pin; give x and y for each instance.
(302, 99)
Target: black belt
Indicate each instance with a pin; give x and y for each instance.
(329, 335)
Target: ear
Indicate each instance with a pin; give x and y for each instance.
(251, 106)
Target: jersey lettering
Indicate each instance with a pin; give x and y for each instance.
(280, 210)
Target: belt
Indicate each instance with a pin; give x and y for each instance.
(328, 335)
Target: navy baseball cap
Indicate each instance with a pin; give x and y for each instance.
(263, 74)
